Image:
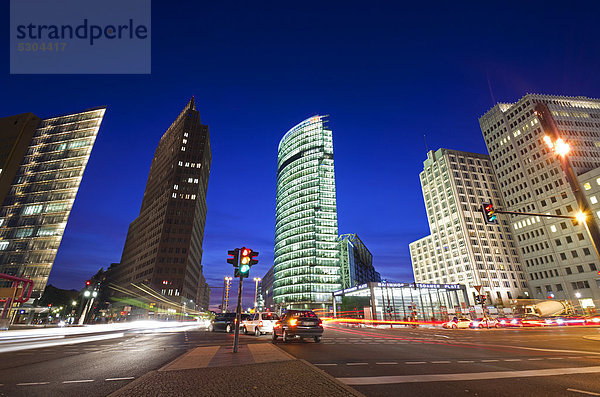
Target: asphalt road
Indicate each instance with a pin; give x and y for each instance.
(97, 368)
(438, 362)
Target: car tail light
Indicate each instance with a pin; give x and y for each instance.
(320, 322)
(293, 322)
(260, 324)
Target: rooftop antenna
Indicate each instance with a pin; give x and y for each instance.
(487, 75)
(426, 146)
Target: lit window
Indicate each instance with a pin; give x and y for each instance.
(190, 180)
(553, 228)
(183, 148)
(587, 186)
(187, 164)
(176, 187)
(593, 199)
(174, 195)
(185, 134)
(598, 181)
(184, 141)
(195, 181)
(193, 165)
(180, 163)
(193, 196)
(3, 245)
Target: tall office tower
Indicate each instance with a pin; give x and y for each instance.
(558, 255)
(462, 248)
(356, 262)
(306, 268)
(42, 165)
(163, 248)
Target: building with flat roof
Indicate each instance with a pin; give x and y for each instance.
(533, 177)
(356, 262)
(405, 301)
(462, 248)
(42, 164)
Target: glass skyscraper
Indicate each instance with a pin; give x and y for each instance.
(306, 268)
(42, 166)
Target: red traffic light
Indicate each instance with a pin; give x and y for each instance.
(246, 251)
(88, 282)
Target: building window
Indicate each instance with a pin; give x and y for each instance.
(593, 199)
(559, 287)
(587, 186)
(580, 269)
(593, 267)
(568, 270)
(3, 245)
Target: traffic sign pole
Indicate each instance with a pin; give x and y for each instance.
(238, 316)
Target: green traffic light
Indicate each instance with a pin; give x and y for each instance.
(244, 269)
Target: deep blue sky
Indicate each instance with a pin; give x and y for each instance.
(385, 73)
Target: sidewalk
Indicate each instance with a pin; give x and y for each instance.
(259, 369)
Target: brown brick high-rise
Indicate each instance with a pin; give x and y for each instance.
(163, 248)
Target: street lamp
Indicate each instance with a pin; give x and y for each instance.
(577, 295)
(87, 294)
(226, 294)
(256, 281)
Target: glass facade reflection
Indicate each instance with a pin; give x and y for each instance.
(306, 269)
(416, 301)
(37, 205)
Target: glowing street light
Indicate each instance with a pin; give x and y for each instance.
(256, 281)
(578, 295)
(559, 147)
(580, 217)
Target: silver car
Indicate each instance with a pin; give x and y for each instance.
(260, 323)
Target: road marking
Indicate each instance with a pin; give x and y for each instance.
(357, 363)
(441, 362)
(415, 362)
(534, 359)
(443, 336)
(126, 378)
(489, 361)
(512, 359)
(554, 358)
(591, 393)
(387, 363)
(78, 381)
(465, 361)
(377, 380)
(326, 365)
(32, 383)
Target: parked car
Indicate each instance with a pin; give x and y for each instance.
(298, 324)
(527, 321)
(225, 322)
(260, 323)
(457, 322)
(487, 322)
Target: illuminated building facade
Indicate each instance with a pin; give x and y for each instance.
(356, 262)
(42, 165)
(462, 248)
(306, 268)
(163, 248)
(558, 255)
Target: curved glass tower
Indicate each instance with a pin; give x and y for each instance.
(306, 268)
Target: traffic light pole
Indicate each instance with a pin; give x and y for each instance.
(238, 317)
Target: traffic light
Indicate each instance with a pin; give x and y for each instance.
(489, 213)
(87, 283)
(235, 257)
(253, 261)
(244, 269)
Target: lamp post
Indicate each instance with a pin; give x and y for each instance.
(256, 281)
(227, 286)
(559, 146)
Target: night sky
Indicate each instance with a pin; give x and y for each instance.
(386, 74)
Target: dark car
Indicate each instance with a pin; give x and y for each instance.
(225, 322)
(298, 324)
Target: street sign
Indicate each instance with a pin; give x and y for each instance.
(477, 288)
